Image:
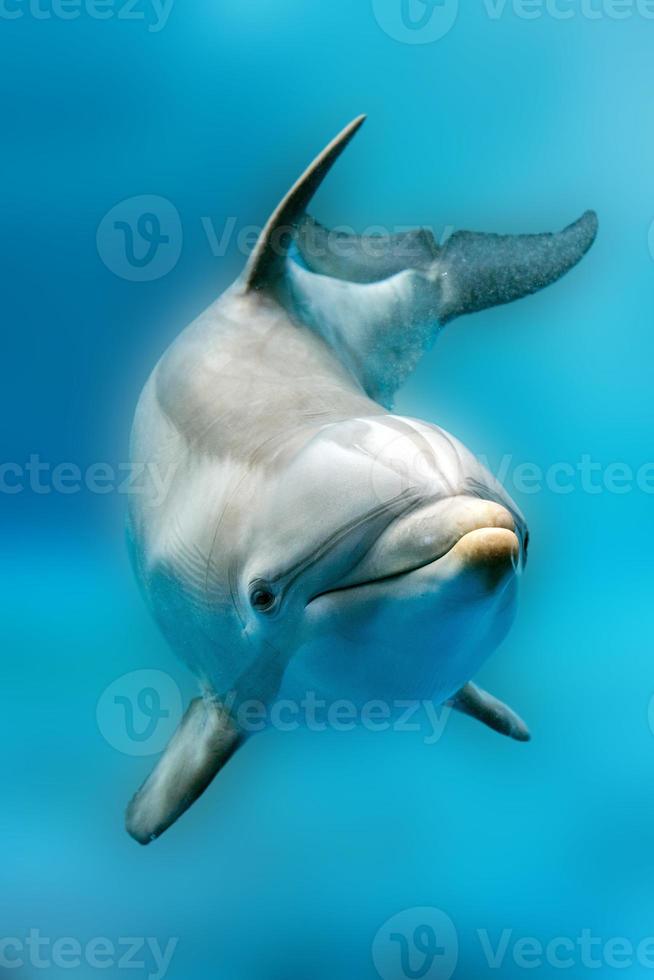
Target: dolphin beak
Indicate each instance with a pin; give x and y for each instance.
(439, 529)
(475, 542)
(493, 553)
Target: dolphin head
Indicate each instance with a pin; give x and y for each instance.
(381, 557)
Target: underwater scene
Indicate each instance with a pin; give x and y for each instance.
(375, 548)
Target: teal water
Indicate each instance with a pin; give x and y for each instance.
(309, 842)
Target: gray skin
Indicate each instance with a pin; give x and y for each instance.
(309, 538)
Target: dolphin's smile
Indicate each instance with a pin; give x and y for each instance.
(496, 548)
(486, 540)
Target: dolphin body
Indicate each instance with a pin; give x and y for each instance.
(310, 539)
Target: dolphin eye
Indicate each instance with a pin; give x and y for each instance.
(261, 598)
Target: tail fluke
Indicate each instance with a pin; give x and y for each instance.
(488, 270)
(379, 300)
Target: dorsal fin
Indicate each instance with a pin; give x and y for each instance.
(267, 261)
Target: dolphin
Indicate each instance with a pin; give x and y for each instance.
(310, 540)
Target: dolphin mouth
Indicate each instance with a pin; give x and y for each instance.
(494, 552)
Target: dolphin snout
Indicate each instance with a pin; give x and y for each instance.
(439, 528)
(493, 553)
(472, 514)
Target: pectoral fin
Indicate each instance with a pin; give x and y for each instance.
(204, 741)
(472, 700)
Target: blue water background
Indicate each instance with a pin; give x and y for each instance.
(308, 843)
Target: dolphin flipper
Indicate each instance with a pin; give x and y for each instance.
(379, 301)
(204, 741)
(472, 700)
